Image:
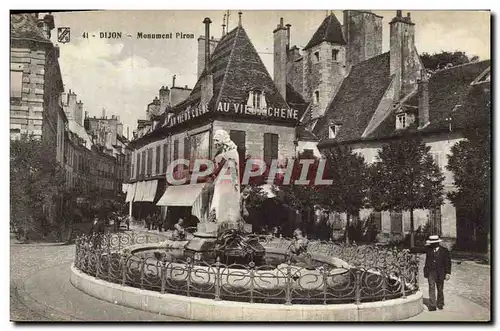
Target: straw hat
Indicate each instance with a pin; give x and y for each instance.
(433, 239)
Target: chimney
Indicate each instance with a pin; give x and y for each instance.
(207, 22)
(103, 113)
(128, 132)
(239, 18)
(288, 36)
(207, 83)
(404, 62)
(47, 25)
(173, 81)
(423, 100)
(86, 114)
(281, 35)
(224, 25)
(79, 113)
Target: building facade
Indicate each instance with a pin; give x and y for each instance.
(234, 93)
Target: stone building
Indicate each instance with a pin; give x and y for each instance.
(234, 92)
(389, 94)
(35, 82)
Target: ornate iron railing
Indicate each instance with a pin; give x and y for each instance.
(372, 273)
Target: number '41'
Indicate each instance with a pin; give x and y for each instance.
(85, 35)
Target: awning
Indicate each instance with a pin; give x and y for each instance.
(150, 192)
(181, 195)
(139, 191)
(131, 192)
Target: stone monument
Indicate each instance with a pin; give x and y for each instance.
(223, 233)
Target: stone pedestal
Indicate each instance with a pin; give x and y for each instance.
(202, 246)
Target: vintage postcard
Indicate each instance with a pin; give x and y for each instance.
(250, 166)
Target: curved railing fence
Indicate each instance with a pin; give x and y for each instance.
(372, 273)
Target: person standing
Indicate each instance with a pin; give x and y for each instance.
(437, 269)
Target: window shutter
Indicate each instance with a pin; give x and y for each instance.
(165, 158)
(138, 165)
(158, 158)
(143, 168)
(267, 148)
(250, 99)
(263, 101)
(176, 149)
(274, 146)
(187, 148)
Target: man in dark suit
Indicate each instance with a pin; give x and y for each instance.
(437, 268)
(97, 231)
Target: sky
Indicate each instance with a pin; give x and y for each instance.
(124, 75)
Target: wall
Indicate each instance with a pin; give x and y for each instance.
(255, 137)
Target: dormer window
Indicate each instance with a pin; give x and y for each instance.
(316, 97)
(401, 121)
(333, 130)
(316, 56)
(335, 53)
(257, 100)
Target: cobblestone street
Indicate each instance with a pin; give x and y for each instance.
(470, 282)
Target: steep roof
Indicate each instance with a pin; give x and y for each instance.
(305, 135)
(330, 30)
(450, 96)
(24, 26)
(357, 99)
(236, 68)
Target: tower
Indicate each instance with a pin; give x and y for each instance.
(324, 65)
(363, 35)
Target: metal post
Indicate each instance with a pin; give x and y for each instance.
(325, 282)
(288, 293)
(403, 292)
(123, 261)
(358, 287)
(141, 272)
(98, 262)
(252, 276)
(384, 285)
(217, 279)
(163, 277)
(189, 275)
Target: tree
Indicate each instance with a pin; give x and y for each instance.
(348, 192)
(470, 163)
(441, 60)
(36, 182)
(405, 177)
(296, 196)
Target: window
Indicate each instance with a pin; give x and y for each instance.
(187, 148)
(176, 149)
(337, 222)
(165, 158)
(437, 159)
(16, 84)
(316, 97)
(333, 130)
(158, 158)
(270, 147)
(316, 56)
(256, 99)
(401, 122)
(335, 53)
(377, 220)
